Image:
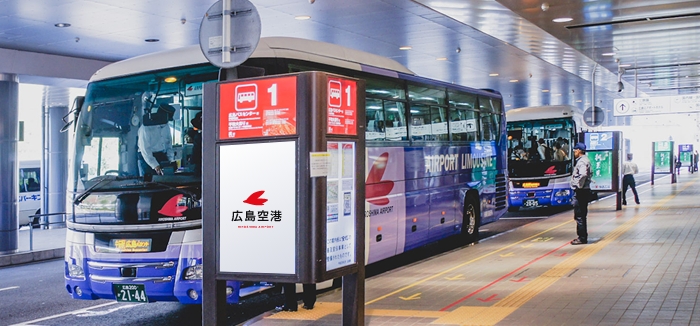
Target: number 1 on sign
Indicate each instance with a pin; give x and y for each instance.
(347, 94)
(273, 94)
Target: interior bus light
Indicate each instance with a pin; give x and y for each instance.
(531, 184)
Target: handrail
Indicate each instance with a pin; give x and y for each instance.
(41, 223)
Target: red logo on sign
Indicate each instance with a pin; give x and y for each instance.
(171, 207)
(375, 187)
(551, 170)
(246, 97)
(254, 198)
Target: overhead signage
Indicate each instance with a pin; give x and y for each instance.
(258, 108)
(342, 106)
(657, 105)
(257, 184)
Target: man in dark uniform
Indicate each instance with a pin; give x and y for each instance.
(581, 184)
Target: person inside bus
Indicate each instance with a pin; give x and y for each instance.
(196, 157)
(32, 185)
(542, 150)
(559, 154)
(155, 142)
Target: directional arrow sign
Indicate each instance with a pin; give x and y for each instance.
(454, 278)
(491, 298)
(413, 297)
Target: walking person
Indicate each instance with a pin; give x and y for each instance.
(629, 169)
(581, 184)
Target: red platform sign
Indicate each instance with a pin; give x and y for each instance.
(342, 107)
(258, 108)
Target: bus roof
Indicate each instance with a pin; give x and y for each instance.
(268, 47)
(542, 112)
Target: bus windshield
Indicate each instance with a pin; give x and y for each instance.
(540, 148)
(134, 143)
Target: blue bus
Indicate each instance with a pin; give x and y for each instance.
(436, 162)
(540, 155)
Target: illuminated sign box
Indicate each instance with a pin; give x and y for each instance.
(288, 166)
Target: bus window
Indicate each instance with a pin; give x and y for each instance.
(463, 118)
(395, 122)
(490, 119)
(29, 179)
(375, 119)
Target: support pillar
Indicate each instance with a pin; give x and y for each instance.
(9, 187)
(55, 163)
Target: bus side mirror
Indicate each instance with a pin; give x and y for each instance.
(77, 106)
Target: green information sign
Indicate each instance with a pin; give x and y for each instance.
(686, 158)
(662, 146)
(601, 170)
(662, 161)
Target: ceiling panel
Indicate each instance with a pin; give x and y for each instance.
(514, 38)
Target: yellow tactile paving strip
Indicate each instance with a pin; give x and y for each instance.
(470, 315)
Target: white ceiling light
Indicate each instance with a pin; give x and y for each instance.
(608, 54)
(406, 47)
(562, 20)
(303, 17)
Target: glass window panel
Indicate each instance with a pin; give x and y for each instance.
(395, 122)
(426, 95)
(374, 111)
(462, 101)
(488, 104)
(438, 125)
(385, 89)
(29, 179)
(420, 122)
(463, 125)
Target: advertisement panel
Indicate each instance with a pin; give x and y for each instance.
(257, 108)
(340, 206)
(601, 170)
(257, 218)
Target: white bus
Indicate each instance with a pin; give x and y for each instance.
(29, 198)
(538, 178)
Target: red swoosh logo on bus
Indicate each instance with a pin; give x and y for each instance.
(551, 170)
(254, 198)
(170, 208)
(375, 187)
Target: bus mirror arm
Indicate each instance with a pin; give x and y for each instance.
(75, 110)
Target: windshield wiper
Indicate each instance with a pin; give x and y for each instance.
(104, 180)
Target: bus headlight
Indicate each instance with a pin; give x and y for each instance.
(562, 193)
(76, 271)
(193, 272)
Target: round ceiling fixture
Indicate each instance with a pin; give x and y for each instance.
(62, 25)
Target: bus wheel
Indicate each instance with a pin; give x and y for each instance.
(470, 220)
(35, 221)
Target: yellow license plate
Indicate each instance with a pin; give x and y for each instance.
(132, 245)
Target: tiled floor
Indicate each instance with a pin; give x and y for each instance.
(641, 267)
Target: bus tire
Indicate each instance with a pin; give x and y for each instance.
(471, 218)
(35, 221)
